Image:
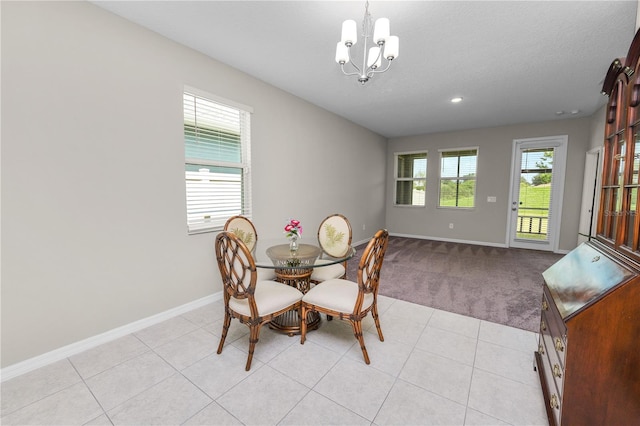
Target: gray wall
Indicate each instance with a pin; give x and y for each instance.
(487, 222)
(93, 200)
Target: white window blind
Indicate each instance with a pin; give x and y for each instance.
(410, 178)
(458, 178)
(217, 162)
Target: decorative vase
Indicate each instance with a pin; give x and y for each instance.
(293, 244)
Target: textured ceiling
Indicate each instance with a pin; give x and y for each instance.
(512, 61)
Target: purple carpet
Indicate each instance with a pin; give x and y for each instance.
(501, 285)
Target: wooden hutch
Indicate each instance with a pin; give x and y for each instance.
(588, 356)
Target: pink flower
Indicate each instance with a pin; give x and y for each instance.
(293, 229)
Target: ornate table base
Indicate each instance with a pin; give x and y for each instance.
(289, 322)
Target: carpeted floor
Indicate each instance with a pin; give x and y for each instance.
(501, 285)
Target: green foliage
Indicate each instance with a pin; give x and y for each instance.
(541, 179)
(460, 193)
(546, 162)
(534, 197)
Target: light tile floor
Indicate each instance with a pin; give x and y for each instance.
(434, 368)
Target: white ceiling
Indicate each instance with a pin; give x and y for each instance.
(512, 61)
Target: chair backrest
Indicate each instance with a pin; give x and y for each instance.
(237, 269)
(244, 229)
(334, 235)
(371, 262)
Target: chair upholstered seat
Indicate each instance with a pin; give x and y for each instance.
(334, 238)
(328, 272)
(270, 297)
(254, 303)
(337, 295)
(350, 300)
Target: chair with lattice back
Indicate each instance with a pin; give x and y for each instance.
(334, 238)
(349, 300)
(246, 231)
(251, 301)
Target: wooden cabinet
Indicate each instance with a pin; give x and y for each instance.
(619, 214)
(589, 352)
(588, 355)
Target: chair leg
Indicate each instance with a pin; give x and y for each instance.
(225, 329)
(374, 314)
(357, 330)
(303, 323)
(254, 334)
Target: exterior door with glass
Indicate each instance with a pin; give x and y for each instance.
(537, 183)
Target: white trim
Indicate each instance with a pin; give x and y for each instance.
(396, 179)
(560, 162)
(475, 178)
(219, 99)
(66, 351)
(449, 240)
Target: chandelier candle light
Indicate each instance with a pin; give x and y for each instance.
(371, 62)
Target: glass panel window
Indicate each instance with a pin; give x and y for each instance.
(458, 178)
(217, 162)
(410, 178)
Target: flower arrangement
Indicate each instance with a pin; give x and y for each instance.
(293, 229)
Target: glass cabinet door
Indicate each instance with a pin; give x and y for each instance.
(631, 240)
(614, 167)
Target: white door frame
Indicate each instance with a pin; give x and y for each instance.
(591, 189)
(559, 143)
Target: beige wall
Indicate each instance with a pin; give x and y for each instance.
(487, 222)
(93, 216)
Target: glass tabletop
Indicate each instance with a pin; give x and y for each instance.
(274, 254)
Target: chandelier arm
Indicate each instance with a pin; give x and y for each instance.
(378, 71)
(352, 63)
(348, 73)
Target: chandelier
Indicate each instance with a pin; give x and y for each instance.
(385, 47)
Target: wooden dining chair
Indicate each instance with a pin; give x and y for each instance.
(334, 238)
(252, 302)
(349, 300)
(246, 231)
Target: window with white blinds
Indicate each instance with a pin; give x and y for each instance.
(410, 178)
(458, 178)
(217, 161)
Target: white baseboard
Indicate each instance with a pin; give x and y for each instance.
(83, 345)
(450, 240)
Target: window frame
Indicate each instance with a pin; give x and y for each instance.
(458, 177)
(397, 179)
(216, 220)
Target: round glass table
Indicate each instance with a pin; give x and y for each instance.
(294, 268)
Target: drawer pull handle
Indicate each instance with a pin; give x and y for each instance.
(543, 326)
(554, 401)
(559, 345)
(595, 259)
(557, 371)
(541, 349)
(545, 305)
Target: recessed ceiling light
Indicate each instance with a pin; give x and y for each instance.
(456, 100)
(575, 111)
(559, 112)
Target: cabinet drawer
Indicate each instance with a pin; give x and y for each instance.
(555, 396)
(553, 330)
(556, 367)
